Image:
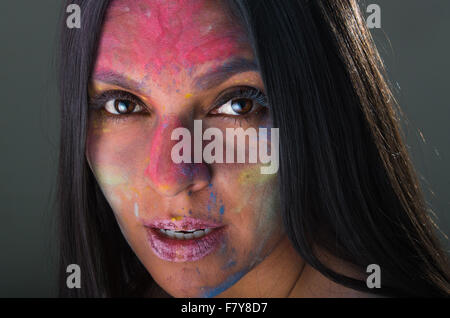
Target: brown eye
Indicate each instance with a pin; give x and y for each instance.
(122, 107)
(236, 107)
(240, 102)
(242, 106)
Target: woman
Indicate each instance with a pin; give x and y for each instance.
(140, 223)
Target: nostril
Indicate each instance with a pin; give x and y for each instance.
(201, 177)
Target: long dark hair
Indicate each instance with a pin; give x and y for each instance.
(346, 181)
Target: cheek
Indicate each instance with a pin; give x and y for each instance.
(263, 203)
(115, 160)
(121, 145)
(251, 205)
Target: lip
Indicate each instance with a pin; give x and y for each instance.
(183, 224)
(188, 250)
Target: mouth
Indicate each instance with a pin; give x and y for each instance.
(185, 235)
(184, 240)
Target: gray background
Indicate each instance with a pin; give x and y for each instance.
(413, 41)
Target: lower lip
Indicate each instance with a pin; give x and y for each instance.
(174, 250)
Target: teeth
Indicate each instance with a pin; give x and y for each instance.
(185, 235)
(179, 235)
(170, 233)
(188, 236)
(199, 233)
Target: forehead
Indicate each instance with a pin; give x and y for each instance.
(145, 39)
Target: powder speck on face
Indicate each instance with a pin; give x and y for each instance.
(136, 209)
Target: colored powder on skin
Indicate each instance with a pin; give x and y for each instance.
(230, 281)
(188, 170)
(177, 218)
(157, 151)
(213, 197)
(170, 36)
(135, 190)
(232, 260)
(136, 209)
(254, 176)
(228, 265)
(212, 201)
(222, 209)
(107, 175)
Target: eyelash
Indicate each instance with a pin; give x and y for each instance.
(98, 103)
(243, 92)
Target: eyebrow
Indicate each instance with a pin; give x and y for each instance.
(218, 75)
(116, 79)
(205, 81)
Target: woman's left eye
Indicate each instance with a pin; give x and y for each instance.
(236, 107)
(241, 102)
(122, 107)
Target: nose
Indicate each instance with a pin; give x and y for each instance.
(164, 175)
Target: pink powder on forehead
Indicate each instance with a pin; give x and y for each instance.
(167, 34)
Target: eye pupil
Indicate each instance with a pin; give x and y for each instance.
(242, 106)
(123, 106)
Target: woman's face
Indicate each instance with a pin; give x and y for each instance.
(160, 66)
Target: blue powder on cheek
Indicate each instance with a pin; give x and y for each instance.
(213, 197)
(230, 264)
(230, 281)
(222, 210)
(212, 200)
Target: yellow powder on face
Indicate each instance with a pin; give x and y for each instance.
(176, 218)
(98, 124)
(108, 175)
(253, 176)
(188, 95)
(135, 190)
(164, 187)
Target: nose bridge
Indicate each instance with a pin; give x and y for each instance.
(164, 175)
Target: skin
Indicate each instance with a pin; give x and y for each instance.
(158, 51)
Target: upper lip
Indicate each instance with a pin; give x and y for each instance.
(184, 224)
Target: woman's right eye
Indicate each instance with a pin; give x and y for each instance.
(122, 107)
